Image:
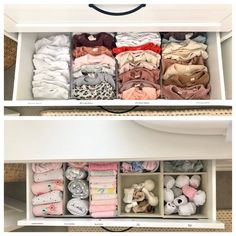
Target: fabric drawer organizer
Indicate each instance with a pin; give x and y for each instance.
(128, 66)
(160, 189)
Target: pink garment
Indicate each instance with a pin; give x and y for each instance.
(46, 198)
(44, 167)
(78, 165)
(103, 202)
(47, 186)
(189, 192)
(48, 209)
(50, 175)
(97, 208)
(89, 59)
(102, 179)
(104, 196)
(126, 167)
(150, 165)
(135, 93)
(103, 166)
(103, 214)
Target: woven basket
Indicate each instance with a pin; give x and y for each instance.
(174, 112)
(10, 47)
(222, 215)
(14, 172)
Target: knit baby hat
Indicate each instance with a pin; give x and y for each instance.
(200, 198)
(181, 181)
(168, 195)
(169, 181)
(170, 208)
(187, 209)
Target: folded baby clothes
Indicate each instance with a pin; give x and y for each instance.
(102, 179)
(103, 202)
(180, 36)
(47, 186)
(138, 64)
(104, 196)
(137, 38)
(103, 166)
(102, 190)
(44, 167)
(102, 172)
(103, 214)
(50, 197)
(78, 207)
(49, 175)
(94, 51)
(103, 185)
(52, 56)
(79, 188)
(74, 173)
(98, 208)
(48, 209)
(93, 40)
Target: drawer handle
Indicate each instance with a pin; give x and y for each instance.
(117, 13)
(118, 112)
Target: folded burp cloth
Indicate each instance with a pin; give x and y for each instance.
(47, 186)
(50, 175)
(103, 214)
(79, 188)
(78, 207)
(51, 197)
(102, 190)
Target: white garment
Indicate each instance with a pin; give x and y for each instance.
(59, 57)
(44, 83)
(57, 40)
(57, 73)
(53, 50)
(50, 92)
(50, 65)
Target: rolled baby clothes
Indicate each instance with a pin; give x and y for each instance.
(45, 167)
(48, 209)
(78, 207)
(50, 197)
(47, 186)
(126, 167)
(79, 188)
(150, 166)
(78, 165)
(74, 173)
(49, 175)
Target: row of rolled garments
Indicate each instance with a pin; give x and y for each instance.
(139, 66)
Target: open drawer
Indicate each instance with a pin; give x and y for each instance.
(22, 95)
(205, 217)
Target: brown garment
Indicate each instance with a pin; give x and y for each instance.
(94, 51)
(140, 73)
(165, 63)
(93, 40)
(181, 35)
(189, 93)
(182, 81)
(137, 83)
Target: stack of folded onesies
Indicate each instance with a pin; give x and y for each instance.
(138, 57)
(48, 188)
(76, 172)
(102, 182)
(51, 61)
(93, 67)
(184, 73)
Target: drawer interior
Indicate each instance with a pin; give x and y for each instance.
(125, 180)
(24, 66)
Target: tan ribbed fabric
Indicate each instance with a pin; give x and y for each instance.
(14, 172)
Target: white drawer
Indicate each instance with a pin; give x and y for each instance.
(22, 95)
(152, 17)
(206, 218)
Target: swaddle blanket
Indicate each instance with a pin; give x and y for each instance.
(102, 179)
(102, 190)
(78, 207)
(98, 208)
(51, 197)
(104, 196)
(79, 188)
(103, 214)
(48, 209)
(103, 166)
(103, 173)
(44, 167)
(50, 175)
(73, 173)
(47, 186)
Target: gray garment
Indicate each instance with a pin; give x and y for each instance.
(73, 173)
(79, 188)
(94, 79)
(183, 166)
(93, 68)
(78, 207)
(198, 39)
